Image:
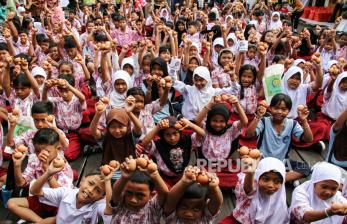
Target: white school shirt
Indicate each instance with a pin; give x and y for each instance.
(65, 200)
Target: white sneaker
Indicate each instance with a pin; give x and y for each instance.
(296, 183)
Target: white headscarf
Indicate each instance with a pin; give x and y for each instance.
(167, 16)
(275, 24)
(298, 95)
(203, 96)
(270, 209)
(217, 41)
(337, 102)
(117, 99)
(235, 47)
(305, 193)
(298, 61)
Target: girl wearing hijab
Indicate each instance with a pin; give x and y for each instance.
(233, 43)
(312, 200)
(154, 91)
(118, 138)
(172, 151)
(198, 95)
(335, 96)
(261, 195)
(275, 22)
(292, 85)
(121, 82)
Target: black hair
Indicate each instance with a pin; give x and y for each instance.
(141, 177)
(25, 23)
(3, 46)
(22, 80)
(278, 57)
(24, 56)
(135, 91)
(41, 38)
(289, 23)
(69, 78)
(247, 29)
(121, 18)
(164, 48)
(52, 44)
(212, 16)
(275, 172)
(23, 30)
(69, 42)
(100, 36)
(46, 136)
(193, 23)
(224, 51)
(252, 46)
(254, 72)
(41, 107)
(195, 191)
(278, 98)
(258, 12)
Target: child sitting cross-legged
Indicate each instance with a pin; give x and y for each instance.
(196, 198)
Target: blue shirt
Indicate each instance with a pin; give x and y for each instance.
(331, 142)
(277, 144)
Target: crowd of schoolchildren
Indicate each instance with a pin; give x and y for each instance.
(159, 82)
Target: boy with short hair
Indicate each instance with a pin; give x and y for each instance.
(193, 33)
(133, 198)
(68, 112)
(47, 148)
(76, 206)
(39, 112)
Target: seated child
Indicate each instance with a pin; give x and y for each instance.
(260, 194)
(190, 202)
(312, 201)
(39, 112)
(47, 148)
(68, 112)
(134, 199)
(172, 151)
(275, 132)
(80, 205)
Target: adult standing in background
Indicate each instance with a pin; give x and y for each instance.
(298, 10)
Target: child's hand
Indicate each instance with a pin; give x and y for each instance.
(303, 113)
(190, 174)
(50, 121)
(128, 167)
(163, 124)
(233, 99)
(56, 166)
(213, 180)
(125, 49)
(79, 59)
(18, 157)
(130, 103)
(139, 149)
(249, 165)
(215, 100)
(24, 65)
(108, 176)
(184, 122)
(12, 120)
(48, 84)
(100, 107)
(149, 81)
(43, 157)
(261, 111)
(6, 33)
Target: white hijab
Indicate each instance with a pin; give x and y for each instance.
(305, 193)
(217, 41)
(275, 24)
(337, 102)
(235, 46)
(200, 98)
(167, 16)
(298, 95)
(117, 99)
(270, 209)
